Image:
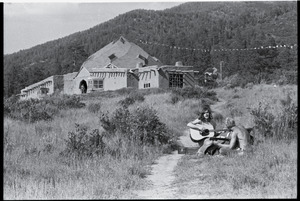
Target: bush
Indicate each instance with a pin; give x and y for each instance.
(141, 125)
(33, 110)
(65, 101)
(282, 126)
(191, 92)
(249, 85)
(9, 104)
(125, 91)
(83, 144)
(132, 98)
(94, 107)
(238, 80)
(218, 117)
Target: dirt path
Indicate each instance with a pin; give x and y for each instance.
(161, 177)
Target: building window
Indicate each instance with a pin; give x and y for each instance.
(147, 85)
(44, 90)
(112, 57)
(98, 84)
(175, 80)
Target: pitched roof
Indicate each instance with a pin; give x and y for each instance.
(121, 53)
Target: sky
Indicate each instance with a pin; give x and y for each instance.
(29, 24)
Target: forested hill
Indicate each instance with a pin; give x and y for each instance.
(194, 25)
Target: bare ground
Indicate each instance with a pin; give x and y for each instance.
(161, 178)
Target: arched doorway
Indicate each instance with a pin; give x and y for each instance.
(83, 86)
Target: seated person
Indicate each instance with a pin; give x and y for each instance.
(205, 118)
(239, 139)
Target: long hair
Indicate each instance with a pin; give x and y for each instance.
(204, 109)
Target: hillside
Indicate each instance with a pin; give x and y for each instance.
(204, 25)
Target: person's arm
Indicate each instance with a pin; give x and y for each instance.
(231, 144)
(193, 125)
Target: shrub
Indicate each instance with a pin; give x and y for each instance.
(127, 101)
(33, 110)
(188, 92)
(142, 125)
(149, 128)
(249, 85)
(282, 126)
(218, 117)
(94, 107)
(64, 101)
(83, 144)
(263, 121)
(132, 98)
(152, 91)
(235, 96)
(125, 91)
(237, 80)
(191, 92)
(9, 104)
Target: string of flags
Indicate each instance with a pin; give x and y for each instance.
(221, 49)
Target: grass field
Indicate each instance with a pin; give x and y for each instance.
(269, 172)
(35, 168)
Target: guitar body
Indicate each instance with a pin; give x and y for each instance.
(197, 135)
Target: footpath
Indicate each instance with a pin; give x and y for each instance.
(161, 178)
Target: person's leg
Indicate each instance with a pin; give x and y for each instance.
(207, 143)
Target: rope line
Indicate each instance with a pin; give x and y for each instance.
(221, 49)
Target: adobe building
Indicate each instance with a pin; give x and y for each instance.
(119, 64)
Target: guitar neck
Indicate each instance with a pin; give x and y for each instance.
(219, 138)
(216, 130)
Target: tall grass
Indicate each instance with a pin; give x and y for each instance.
(34, 167)
(249, 98)
(269, 172)
(37, 164)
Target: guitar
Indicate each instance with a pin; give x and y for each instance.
(220, 138)
(203, 131)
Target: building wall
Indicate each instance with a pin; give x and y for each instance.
(163, 79)
(148, 79)
(58, 83)
(132, 80)
(69, 85)
(189, 79)
(115, 80)
(33, 91)
(112, 80)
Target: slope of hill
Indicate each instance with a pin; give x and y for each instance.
(206, 25)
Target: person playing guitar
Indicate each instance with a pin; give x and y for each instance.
(200, 130)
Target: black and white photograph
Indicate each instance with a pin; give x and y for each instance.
(150, 100)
